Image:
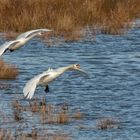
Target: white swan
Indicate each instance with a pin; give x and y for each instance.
(45, 78)
(21, 40)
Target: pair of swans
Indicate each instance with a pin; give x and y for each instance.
(44, 78)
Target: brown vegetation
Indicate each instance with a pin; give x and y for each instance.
(17, 109)
(34, 135)
(108, 123)
(78, 115)
(6, 135)
(48, 113)
(67, 15)
(7, 71)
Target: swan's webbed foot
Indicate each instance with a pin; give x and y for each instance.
(47, 89)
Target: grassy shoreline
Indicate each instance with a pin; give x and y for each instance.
(67, 16)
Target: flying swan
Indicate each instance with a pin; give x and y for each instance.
(45, 78)
(21, 40)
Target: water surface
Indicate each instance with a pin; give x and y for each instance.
(112, 89)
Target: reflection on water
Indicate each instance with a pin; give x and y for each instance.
(112, 90)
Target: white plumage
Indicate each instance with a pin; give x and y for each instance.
(45, 78)
(32, 33)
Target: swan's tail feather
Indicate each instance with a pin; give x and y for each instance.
(30, 88)
(31, 85)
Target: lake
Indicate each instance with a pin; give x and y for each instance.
(112, 89)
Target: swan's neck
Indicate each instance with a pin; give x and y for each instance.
(63, 69)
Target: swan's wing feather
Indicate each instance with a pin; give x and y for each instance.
(33, 33)
(24, 35)
(7, 45)
(43, 77)
(31, 85)
(4, 47)
(30, 33)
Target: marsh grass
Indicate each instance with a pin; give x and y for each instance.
(35, 134)
(67, 16)
(108, 123)
(47, 113)
(6, 135)
(7, 71)
(4, 85)
(17, 109)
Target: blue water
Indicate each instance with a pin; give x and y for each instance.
(112, 89)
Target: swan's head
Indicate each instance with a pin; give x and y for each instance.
(77, 67)
(43, 31)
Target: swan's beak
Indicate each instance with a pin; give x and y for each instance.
(49, 30)
(84, 72)
(78, 67)
(43, 32)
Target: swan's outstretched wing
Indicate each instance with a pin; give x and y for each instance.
(6, 45)
(30, 33)
(31, 85)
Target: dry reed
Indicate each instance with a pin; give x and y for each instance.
(48, 113)
(108, 123)
(67, 16)
(78, 115)
(7, 71)
(34, 135)
(17, 109)
(6, 135)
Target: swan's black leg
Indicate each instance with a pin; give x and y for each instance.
(47, 89)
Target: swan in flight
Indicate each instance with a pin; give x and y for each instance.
(45, 78)
(21, 40)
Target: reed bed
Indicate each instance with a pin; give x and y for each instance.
(7, 71)
(35, 134)
(108, 123)
(47, 113)
(66, 17)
